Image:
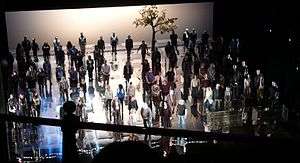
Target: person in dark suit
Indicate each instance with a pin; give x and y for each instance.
(143, 47)
(129, 46)
(193, 38)
(35, 48)
(90, 67)
(186, 39)
(205, 37)
(114, 42)
(27, 47)
(127, 72)
(82, 43)
(173, 38)
(46, 50)
(101, 45)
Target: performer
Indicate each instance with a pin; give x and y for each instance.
(35, 48)
(114, 42)
(90, 67)
(82, 43)
(143, 47)
(129, 46)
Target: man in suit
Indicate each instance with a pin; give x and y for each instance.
(114, 42)
(129, 46)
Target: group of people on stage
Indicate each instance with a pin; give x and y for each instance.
(211, 77)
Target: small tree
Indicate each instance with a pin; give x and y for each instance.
(157, 20)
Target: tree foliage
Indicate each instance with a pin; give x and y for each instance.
(157, 19)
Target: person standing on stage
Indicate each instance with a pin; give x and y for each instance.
(105, 69)
(146, 114)
(61, 56)
(101, 45)
(56, 44)
(47, 70)
(193, 38)
(46, 50)
(35, 48)
(27, 47)
(127, 72)
(144, 48)
(82, 43)
(63, 89)
(114, 42)
(129, 46)
(121, 97)
(186, 39)
(41, 78)
(108, 101)
(173, 38)
(90, 67)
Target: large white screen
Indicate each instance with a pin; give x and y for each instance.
(93, 22)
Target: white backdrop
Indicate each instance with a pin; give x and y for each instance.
(93, 22)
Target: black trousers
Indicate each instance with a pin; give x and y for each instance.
(114, 49)
(146, 124)
(108, 107)
(128, 54)
(41, 88)
(143, 57)
(35, 55)
(90, 72)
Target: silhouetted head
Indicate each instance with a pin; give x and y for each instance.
(25, 37)
(129, 36)
(101, 38)
(120, 86)
(81, 34)
(19, 46)
(114, 34)
(143, 42)
(69, 107)
(89, 57)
